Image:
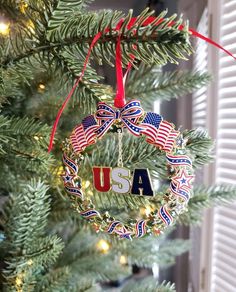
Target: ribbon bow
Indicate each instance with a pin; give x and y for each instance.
(128, 115)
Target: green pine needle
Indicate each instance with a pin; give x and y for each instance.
(150, 83)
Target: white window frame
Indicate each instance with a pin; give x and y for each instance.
(214, 8)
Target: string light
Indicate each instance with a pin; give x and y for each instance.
(86, 184)
(23, 6)
(60, 170)
(89, 193)
(146, 211)
(103, 246)
(30, 262)
(4, 28)
(41, 87)
(123, 260)
(18, 281)
(30, 26)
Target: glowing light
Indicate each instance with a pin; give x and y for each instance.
(4, 28)
(18, 281)
(36, 138)
(30, 25)
(23, 6)
(123, 260)
(30, 262)
(60, 170)
(41, 86)
(85, 184)
(146, 211)
(103, 246)
(89, 193)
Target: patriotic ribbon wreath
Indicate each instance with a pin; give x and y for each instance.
(159, 133)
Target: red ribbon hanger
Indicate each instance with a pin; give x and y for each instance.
(119, 100)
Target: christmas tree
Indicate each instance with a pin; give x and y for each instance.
(45, 244)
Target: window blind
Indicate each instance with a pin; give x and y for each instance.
(199, 114)
(223, 277)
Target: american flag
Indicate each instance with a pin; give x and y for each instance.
(159, 132)
(90, 125)
(171, 140)
(151, 124)
(84, 134)
(163, 133)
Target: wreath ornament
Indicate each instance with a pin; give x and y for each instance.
(129, 116)
(158, 132)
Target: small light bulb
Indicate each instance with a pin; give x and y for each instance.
(36, 138)
(41, 86)
(89, 193)
(60, 170)
(30, 262)
(146, 211)
(85, 184)
(23, 6)
(4, 28)
(18, 281)
(30, 26)
(123, 260)
(103, 246)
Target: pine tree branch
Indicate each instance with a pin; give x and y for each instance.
(151, 83)
(206, 198)
(55, 280)
(34, 198)
(165, 43)
(151, 250)
(200, 145)
(61, 279)
(27, 251)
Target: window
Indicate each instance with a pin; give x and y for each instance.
(224, 228)
(222, 243)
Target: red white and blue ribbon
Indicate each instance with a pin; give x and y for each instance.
(165, 216)
(178, 160)
(140, 228)
(127, 115)
(70, 163)
(90, 213)
(112, 227)
(74, 191)
(184, 193)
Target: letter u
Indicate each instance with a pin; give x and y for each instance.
(101, 178)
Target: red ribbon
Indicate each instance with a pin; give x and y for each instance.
(119, 101)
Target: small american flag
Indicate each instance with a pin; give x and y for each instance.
(84, 134)
(171, 140)
(151, 124)
(90, 125)
(159, 132)
(163, 133)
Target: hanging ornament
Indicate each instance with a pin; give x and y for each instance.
(131, 117)
(158, 132)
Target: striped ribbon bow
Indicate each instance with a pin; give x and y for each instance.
(128, 115)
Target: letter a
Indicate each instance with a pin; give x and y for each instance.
(141, 183)
(101, 180)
